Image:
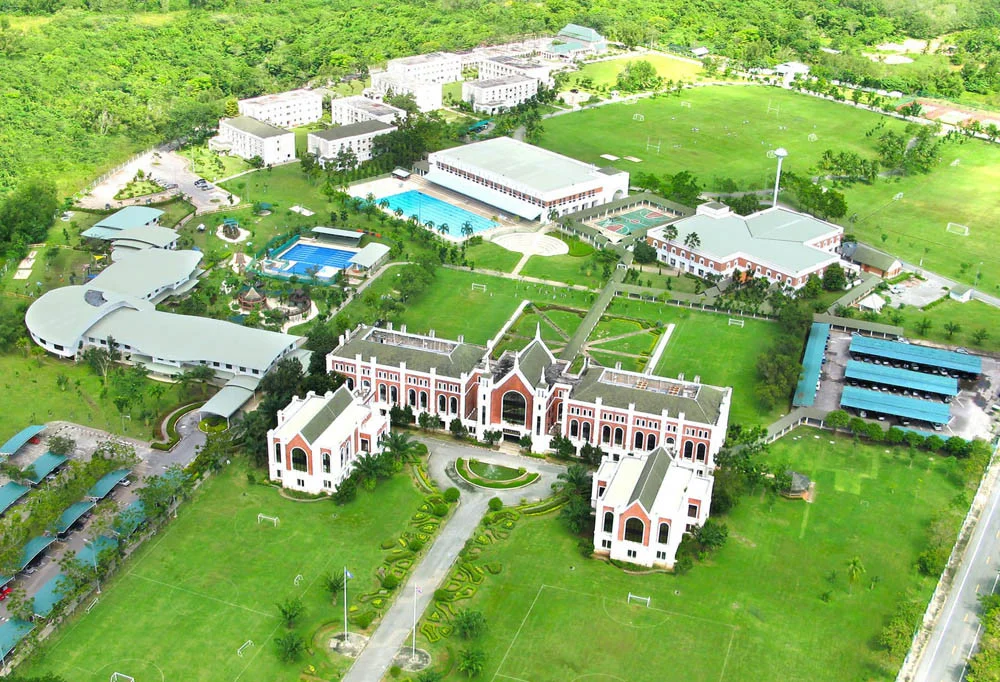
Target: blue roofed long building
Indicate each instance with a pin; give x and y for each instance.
(871, 404)
(128, 218)
(868, 373)
(912, 356)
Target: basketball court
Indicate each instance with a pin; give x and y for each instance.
(636, 219)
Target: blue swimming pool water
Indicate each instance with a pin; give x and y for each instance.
(305, 256)
(426, 207)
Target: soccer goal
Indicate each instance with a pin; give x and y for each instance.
(246, 645)
(261, 518)
(812, 137)
(298, 579)
(92, 605)
(955, 228)
(955, 162)
(636, 598)
(897, 196)
(653, 146)
(121, 677)
(773, 109)
(686, 104)
(638, 117)
(478, 287)
(736, 322)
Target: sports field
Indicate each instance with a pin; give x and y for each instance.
(606, 72)
(774, 604)
(194, 594)
(706, 345)
(726, 133)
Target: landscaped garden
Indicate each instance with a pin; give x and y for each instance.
(973, 324)
(800, 590)
(496, 476)
(211, 165)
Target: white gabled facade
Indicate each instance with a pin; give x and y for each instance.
(435, 67)
(319, 438)
(357, 137)
(285, 109)
(246, 137)
(358, 108)
(426, 94)
(502, 66)
(492, 96)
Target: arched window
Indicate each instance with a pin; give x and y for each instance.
(350, 384)
(606, 434)
(442, 403)
(513, 408)
(574, 428)
(381, 392)
(411, 398)
(609, 521)
(366, 384)
(670, 441)
(453, 405)
(634, 530)
(585, 431)
(326, 462)
(651, 441)
(702, 449)
(393, 395)
(688, 449)
(637, 441)
(300, 460)
(423, 399)
(664, 535)
(619, 436)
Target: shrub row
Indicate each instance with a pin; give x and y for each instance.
(171, 427)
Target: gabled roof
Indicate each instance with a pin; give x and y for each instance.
(154, 235)
(533, 360)
(254, 127)
(420, 353)
(354, 130)
(128, 217)
(327, 414)
(578, 32)
(866, 255)
(651, 479)
(618, 388)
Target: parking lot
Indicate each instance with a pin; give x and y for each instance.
(971, 413)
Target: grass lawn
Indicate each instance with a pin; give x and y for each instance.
(450, 307)
(529, 322)
(32, 395)
(637, 344)
(703, 344)
(628, 364)
(613, 326)
(569, 269)
(567, 320)
(138, 188)
(606, 72)
(489, 256)
(209, 582)
(970, 316)
(753, 613)
(212, 165)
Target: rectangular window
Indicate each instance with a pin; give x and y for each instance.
(662, 556)
(327, 484)
(693, 510)
(605, 544)
(300, 482)
(277, 452)
(630, 553)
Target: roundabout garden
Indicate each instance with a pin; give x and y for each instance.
(495, 476)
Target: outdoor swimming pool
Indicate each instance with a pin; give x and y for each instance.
(301, 257)
(426, 207)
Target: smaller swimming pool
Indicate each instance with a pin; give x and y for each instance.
(301, 257)
(426, 207)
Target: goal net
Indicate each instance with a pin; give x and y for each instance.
(686, 104)
(262, 518)
(734, 322)
(478, 287)
(955, 228)
(639, 600)
(247, 644)
(638, 117)
(121, 677)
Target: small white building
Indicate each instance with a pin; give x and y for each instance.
(494, 95)
(358, 108)
(427, 94)
(436, 67)
(499, 67)
(285, 109)
(358, 137)
(247, 137)
(319, 438)
(646, 502)
(789, 70)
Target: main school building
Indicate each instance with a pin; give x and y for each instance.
(677, 426)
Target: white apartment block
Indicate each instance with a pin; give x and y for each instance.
(491, 96)
(358, 108)
(319, 438)
(436, 67)
(358, 137)
(502, 66)
(247, 137)
(285, 109)
(426, 93)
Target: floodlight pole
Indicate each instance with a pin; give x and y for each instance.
(93, 556)
(345, 605)
(780, 153)
(413, 648)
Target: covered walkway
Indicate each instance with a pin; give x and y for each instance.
(812, 365)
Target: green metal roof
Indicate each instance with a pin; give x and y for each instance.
(128, 217)
(921, 355)
(131, 518)
(10, 493)
(43, 466)
(812, 363)
(255, 127)
(227, 401)
(51, 593)
(704, 408)
(12, 632)
(327, 414)
(878, 402)
(532, 361)
(462, 358)
(154, 235)
(91, 551)
(33, 548)
(72, 515)
(370, 255)
(107, 483)
(353, 130)
(859, 325)
(18, 440)
(580, 33)
(567, 47)
(654, 470)
(872, 257)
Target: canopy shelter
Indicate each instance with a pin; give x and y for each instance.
(50, 594)
(106, 484)
(20, 439)
(370, 256)
(10, 493)
(231, 397)
(11, 634)
(334, 233)
(91, 551)
(43, 466)
(73, 514)
(883, 375)
(33, 548)
(812, 364)
(922, 356)
(877, 403)
(130, 518)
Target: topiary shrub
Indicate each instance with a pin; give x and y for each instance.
(389, 544)
(364, 619)
(451, 495)
(496, 504)
(390, 582)
(415, 544)
(440, 510)
(442, 595)
(395, 671)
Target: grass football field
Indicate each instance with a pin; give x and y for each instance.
(210, 581)
(774, 604)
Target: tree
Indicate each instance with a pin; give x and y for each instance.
(28, 212)
(458, 429)
(980, 336)
(712, 535)
(576, 480)
(692, 240)
(334, 584)
(471, 662)
(60, 445)
(562, 446)
(492, 437)
(952, 328)
(924, 325)
(257, 161)
(638, 76)
(838, 419)
(232, 109)
(159, 492)
(855, 569)
(399, 445)
(834, 278)
(290, 646)
(643, 253)
(469, 624)
(290, 610)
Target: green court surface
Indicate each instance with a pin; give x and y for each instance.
(638, 219)
(208, 583)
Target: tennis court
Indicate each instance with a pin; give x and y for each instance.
(636, 219)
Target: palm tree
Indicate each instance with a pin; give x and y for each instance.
(924, 326)
(429, 224)
(398, 212)
(952, 328)
(576, 479)
(444, 229)
(670, 233)
(398, 445)
(367, 467)
(370, 198)
(384, 203)
(467, 229)
(855, 569)
(692, 240)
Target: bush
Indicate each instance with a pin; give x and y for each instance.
(442, 595)
(395, 671)
(390, 581)
(440, 509)
(364, 619)
(451, 495)
(415, 544)
(391, 543)
(496, 504)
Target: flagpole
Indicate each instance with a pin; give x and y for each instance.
(413, 649)
(345, 604)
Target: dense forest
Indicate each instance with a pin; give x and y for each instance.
(85, 82)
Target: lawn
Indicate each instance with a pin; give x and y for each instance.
(754, 612)
(971, 317)
(583, 270)
(628, 364)
(138, 188)
(704, 344)
(606, 72)
(189, 598)
(211, 165)
(489, 256)
(451, 307)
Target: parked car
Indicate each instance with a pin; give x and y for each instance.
(5, 591)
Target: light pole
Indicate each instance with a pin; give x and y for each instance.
(93, 556)
(780, 153)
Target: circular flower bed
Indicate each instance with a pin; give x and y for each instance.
(493, 476)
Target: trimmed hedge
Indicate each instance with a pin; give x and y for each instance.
(173, 438)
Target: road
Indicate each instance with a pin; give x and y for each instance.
(956, 632)
(394, 631)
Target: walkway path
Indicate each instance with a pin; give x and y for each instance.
(596, 310)
(396, 627)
